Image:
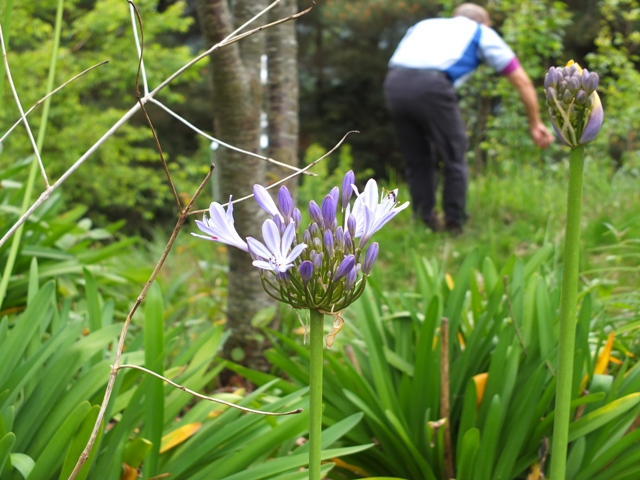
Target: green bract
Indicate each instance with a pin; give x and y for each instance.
(574, 105)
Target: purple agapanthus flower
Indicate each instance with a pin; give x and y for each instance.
(276, 253)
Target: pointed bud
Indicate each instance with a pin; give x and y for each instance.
(348, 243)
(313, 229)
(297, 216)
(339, 239)
(351, 226)
(285, 203)
(306, 271)
(352, 276)
(306, 238)
(315, 212)
(345, 267)
(328, 243)
(317, 261)
(347, 189)
(328, 211)
(335, 194)
(370, 258)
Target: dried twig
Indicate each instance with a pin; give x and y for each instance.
(283, 180)
(22, 114)
(210, 399)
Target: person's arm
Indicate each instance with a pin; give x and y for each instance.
(538, 131)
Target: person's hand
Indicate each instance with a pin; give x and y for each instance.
(541, 135)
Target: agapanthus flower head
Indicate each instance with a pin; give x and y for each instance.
(574, 105)
(319, 266)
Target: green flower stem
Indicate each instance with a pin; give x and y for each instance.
(568, 306)
(316, 334)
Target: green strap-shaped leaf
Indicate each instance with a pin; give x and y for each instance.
(601, 416)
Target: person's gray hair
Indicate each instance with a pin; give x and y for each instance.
(472, 11)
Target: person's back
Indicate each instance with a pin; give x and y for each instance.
(455, 46)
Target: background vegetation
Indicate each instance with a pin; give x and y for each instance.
(88, 251)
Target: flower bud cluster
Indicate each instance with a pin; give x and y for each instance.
(323, 267)
(574, 105)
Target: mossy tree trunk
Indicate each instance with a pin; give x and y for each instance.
(236, 103)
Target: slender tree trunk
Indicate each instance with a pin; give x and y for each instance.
(236, 106)
(282, 94)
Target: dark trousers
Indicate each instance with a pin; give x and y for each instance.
(424, 109)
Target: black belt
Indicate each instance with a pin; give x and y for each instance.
(432, 71)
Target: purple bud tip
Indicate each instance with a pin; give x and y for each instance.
(351, 225)
(328, 210)
(352, 276)
(328, 243)
(315, 212)
(285, 202)
(339, 238)
(347, 189)
(306, 271)
(345, 267)
(297, 216)
(317, 261)
(335, 194)
(370, 258)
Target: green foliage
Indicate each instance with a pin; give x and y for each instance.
(63, 242)
(387, 365)
(124, 178)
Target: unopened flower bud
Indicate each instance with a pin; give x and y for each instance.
(297, 216)
(313, 229)
(351, 226)
(348, 243)
(347, 189)
(339, 234)
(315, 212)
(285, 203)
(345, 267)
(306, 238)
(370, 258)
(328, 211)
(576, 113)
(328, 243)
(317, 244)
(352, 276)
(306, 271)
(317, 260)
(335, 194)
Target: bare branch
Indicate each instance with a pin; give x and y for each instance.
(224, 144)
(211, 399)
(282, 180)
(22, 114)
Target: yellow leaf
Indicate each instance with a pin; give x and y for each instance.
(128, 472)
(535, 472)
(449, 279)
(461, 340)
(351, 468)
(178, 436)
(481, 382)
(603, 361)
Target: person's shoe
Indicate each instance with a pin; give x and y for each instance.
(453, 228)
(433, 223)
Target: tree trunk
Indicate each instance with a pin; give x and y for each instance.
(236, 106)
(282, 94)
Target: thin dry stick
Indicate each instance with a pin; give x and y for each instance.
(224, 144)
(210, 399)
(273, 185)
(505, 280)
(125, 327)
(232, 38)
(140, 45)
(444, 396)
(52, 92)
(22, 114)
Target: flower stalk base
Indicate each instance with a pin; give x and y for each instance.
(568, 308)
(316, 335)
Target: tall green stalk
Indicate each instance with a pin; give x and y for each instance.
(316, 334)
(28, 191)
(568, 307)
